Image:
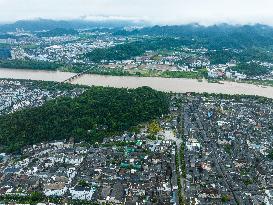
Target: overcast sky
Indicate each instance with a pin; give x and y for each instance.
(157, 11)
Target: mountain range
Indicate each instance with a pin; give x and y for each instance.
(47, 24)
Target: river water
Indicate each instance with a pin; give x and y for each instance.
(162, 84)
(34, 74)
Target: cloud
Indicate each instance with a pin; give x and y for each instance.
(157, 11)
(113, 18)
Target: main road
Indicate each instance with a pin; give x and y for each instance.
(179, 85)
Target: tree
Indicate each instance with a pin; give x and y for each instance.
(154, 127)
(225, 198)
(270, 155)
(83, 183)
(37, 197)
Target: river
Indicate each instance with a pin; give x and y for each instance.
(35, 74)
(163, 84)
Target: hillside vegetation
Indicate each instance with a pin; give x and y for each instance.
(98, 113)
(212, 37)
(132, 49)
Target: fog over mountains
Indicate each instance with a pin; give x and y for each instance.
(105, 22)
(47, 24)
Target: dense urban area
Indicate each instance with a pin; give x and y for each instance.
(15, 94)
(228, 150)
(220, 52)
(68, 144)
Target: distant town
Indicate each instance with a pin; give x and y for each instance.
(134, 51)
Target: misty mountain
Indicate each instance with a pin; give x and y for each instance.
(57, 32)
(45, 24)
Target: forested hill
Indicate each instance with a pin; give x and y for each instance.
(133, 49)
(99, 112)
(246, 42)
(213, 37)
